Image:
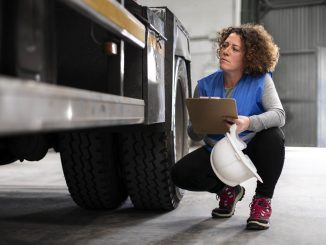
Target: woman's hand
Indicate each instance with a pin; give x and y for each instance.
(242, 123)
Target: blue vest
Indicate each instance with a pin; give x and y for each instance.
(248, 94)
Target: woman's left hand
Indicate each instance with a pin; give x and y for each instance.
(242, 123)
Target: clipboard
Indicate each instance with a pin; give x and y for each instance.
(207, 114)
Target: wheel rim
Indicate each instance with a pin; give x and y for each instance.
(179, 123)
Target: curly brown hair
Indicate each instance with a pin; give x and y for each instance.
(261, 53)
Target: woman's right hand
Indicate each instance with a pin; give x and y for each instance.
(242, 123)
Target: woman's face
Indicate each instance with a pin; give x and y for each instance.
(232, 54)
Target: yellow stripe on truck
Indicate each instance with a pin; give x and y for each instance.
(115, 13)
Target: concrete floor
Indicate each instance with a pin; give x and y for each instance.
(35, 208)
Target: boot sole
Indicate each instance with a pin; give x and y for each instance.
(256, 225)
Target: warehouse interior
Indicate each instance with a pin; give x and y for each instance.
(36, 207)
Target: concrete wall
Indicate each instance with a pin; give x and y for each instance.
(202, 19)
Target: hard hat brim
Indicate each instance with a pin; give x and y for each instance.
(245, 160)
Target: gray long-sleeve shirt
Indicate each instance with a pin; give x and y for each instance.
(274, 115)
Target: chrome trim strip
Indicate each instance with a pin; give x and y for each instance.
(30, 106)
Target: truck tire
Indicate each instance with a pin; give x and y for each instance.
(91, 170)
(147, 156)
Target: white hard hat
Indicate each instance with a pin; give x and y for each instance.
(228, 161)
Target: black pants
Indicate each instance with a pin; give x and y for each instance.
(266, 150)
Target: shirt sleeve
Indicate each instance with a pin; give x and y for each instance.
(274, 115)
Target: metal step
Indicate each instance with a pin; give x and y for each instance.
(30, 106)
(113, 16)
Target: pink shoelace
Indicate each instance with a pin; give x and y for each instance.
(260, 208)
(227, 197)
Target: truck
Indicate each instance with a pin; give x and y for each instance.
(104, 83)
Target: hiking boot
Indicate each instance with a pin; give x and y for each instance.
(260, 212)
(229, 196)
